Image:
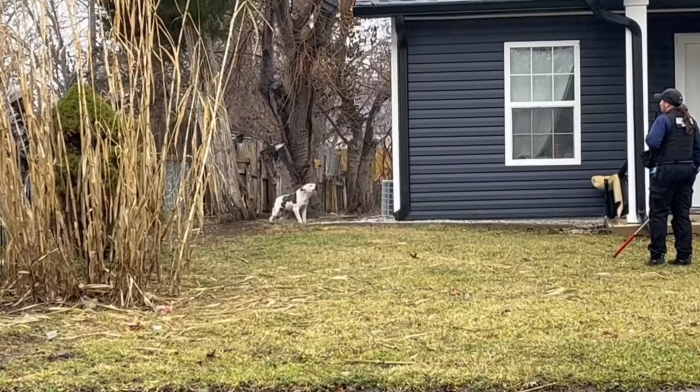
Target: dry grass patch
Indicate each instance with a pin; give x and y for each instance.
(393, 308)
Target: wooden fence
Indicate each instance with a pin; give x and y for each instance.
(254, 177)
(261, 188)
(335, 197)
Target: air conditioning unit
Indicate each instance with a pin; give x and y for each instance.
(387, 197)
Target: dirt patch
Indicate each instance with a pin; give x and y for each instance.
(18, 339)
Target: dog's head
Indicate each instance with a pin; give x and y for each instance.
(310, 188)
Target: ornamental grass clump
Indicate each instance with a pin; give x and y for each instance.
(95, 224)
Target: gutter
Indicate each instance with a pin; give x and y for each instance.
(404, 175)
(637, 92)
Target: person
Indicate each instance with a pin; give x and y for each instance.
(674, 144)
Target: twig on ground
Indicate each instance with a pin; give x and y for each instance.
(112, 307)
(108, 334)
(408, 337)
(538, 388)
(377, 362)
(22, 309)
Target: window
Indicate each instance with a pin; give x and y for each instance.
(542, 103)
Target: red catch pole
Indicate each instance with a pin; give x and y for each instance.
(630, 239)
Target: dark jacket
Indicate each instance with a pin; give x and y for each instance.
(668, 141)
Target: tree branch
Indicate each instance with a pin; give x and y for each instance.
(302, 16)
(369, 123)
(316, 36)
(267, 71)
(283, 16)
(337, 129)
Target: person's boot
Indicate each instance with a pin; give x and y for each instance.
(683, 261)
(658, 260)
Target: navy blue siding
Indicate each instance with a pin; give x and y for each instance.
(456, 120)
(662, 51)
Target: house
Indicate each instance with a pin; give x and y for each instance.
(507, 108)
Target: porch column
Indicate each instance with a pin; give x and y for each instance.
(636, 10)
(395, 115)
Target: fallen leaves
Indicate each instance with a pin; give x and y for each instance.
(164, 309)
(61, 356)
(134, 326)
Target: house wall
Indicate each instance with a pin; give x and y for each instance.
(661, 48)
(456, 120)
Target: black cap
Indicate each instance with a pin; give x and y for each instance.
(670, 95)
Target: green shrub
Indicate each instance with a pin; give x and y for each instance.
(104, 126)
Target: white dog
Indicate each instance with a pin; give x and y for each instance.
(298, 202)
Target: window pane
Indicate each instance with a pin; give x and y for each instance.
(542, 147)
(542, 121)
(542, 60)
(564, 60)
(564, 88)
(522, 121)
(564, 146)
(520, 89)
(564, 120)
(542, 86)
(522, 148)
(520, 61)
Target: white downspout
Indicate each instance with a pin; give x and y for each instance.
(637, 11)
(395, 115)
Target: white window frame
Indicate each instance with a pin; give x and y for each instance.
(576, 105)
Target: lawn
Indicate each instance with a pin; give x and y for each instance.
(409, 308)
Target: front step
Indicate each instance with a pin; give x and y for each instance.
(620, 226)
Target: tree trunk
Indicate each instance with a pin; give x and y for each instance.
(221, 162)
(361, 157)
(363, 187)
(354, 156)
(293, 103)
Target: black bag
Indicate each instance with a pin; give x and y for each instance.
(648, 160)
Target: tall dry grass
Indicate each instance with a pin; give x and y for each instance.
(106, 233)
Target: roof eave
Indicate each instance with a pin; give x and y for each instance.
(383, 10)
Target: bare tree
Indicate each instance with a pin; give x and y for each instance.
(51, 27)
(358, 89)
(300, 30)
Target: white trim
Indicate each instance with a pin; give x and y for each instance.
(540, 14)
(631, 156)
(673, 10)
(576, 104)
(680, 41)
(395, 167)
